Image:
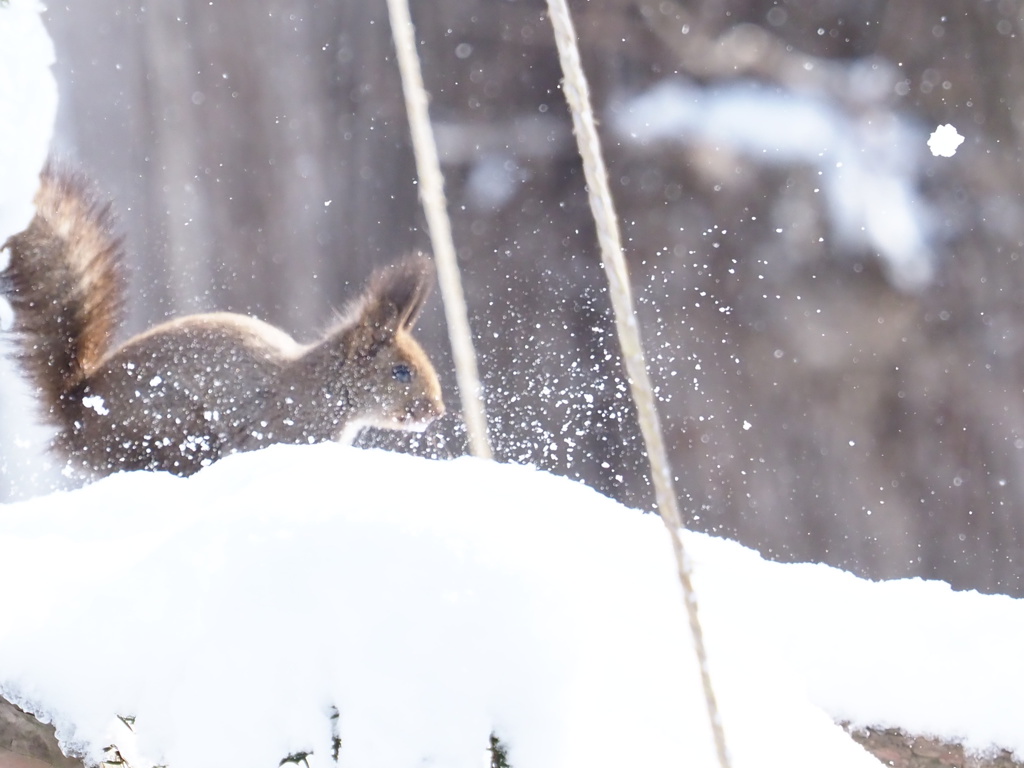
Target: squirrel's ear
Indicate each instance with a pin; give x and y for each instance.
(397, 293)
(406, 286)
(394, 298)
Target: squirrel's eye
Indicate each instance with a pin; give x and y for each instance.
(402, 373)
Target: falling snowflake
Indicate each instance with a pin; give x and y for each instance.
(96, 403)
(944, 141)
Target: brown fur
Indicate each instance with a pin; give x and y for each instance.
(187, 392)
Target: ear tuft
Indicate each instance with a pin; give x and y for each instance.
(404, 286)
(392, 300)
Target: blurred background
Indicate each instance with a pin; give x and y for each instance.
(833, 316)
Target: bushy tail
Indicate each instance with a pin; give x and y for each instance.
(64, 284)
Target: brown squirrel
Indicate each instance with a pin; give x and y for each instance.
(189, 391)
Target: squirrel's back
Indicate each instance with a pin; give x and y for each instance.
(65, 286)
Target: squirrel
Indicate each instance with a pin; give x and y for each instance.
(189, 391)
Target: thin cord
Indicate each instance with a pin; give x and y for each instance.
(578, 96)
(428, 169)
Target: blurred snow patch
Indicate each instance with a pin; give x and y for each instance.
(944, 141)
(6, 311)
(493, 180)
(6, 314)
(28, 107)
(867, 162)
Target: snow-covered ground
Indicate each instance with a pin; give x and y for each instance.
(432, 602)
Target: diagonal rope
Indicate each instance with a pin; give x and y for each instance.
(577, 94)
(428, 169)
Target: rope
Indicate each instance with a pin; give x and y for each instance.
(578, 96)
(428, 169)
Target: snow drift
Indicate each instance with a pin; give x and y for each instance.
(430, 603)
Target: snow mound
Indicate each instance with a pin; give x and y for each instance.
(431, 603)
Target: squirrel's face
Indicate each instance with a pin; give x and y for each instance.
(388, 379)
(398, 387)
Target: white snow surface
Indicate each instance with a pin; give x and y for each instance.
(432, 602)
(28, 108)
